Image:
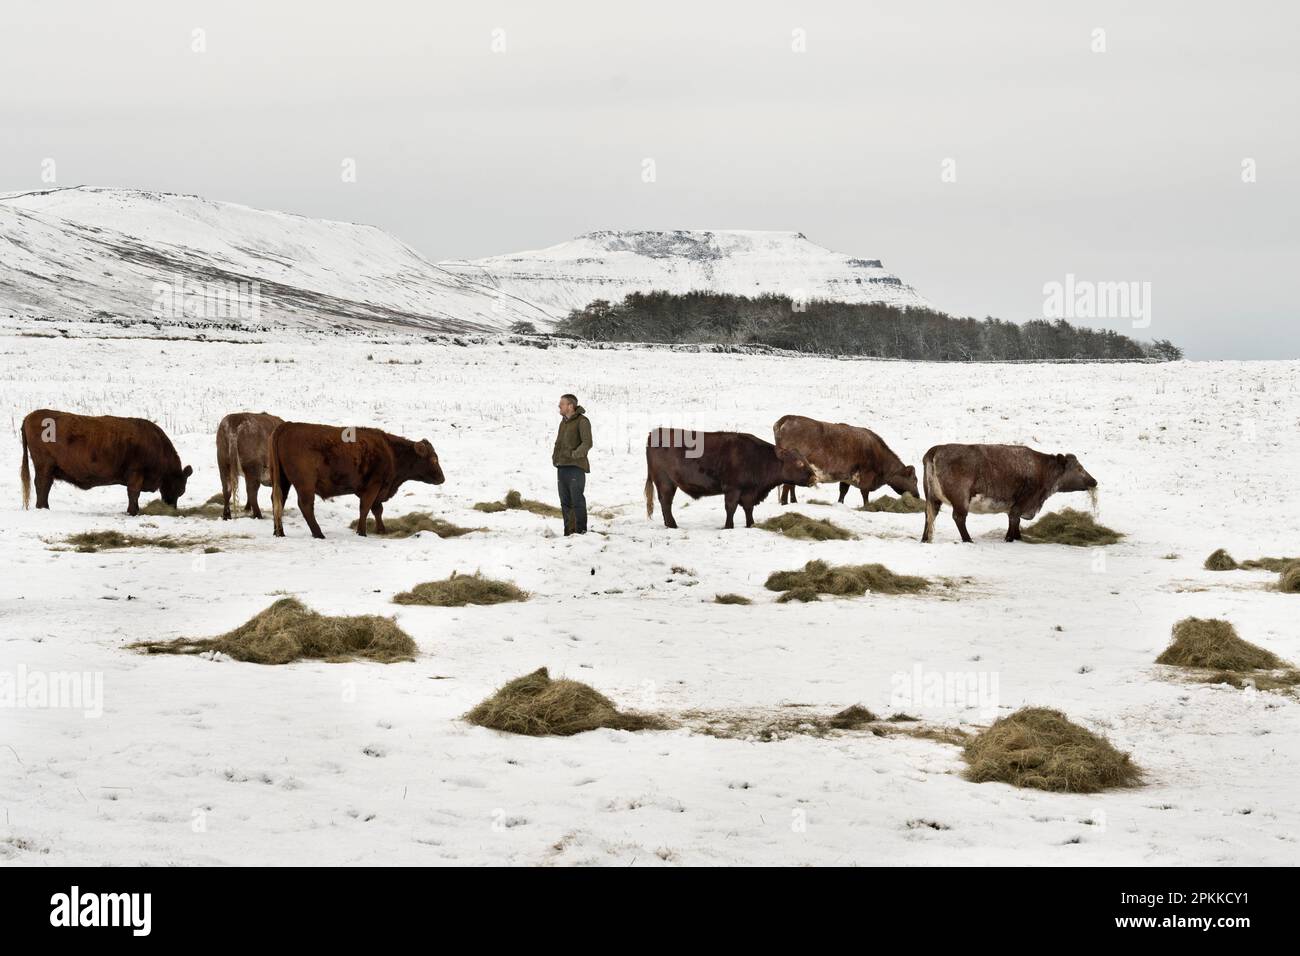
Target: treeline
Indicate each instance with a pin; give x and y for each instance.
(840, 328)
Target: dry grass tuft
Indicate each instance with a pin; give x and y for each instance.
(459, 590)
(905, 504)
(537, 706)
(792, 524)
(731, 599)
(404, 526)
(845, 579)
(1068, 526)
(160, 509)
(802, 595)
(1221, 560)
(289, 631)
(1040, 748)
(92, 542)
(1289, 580)
(1211, 643)
(514, 501)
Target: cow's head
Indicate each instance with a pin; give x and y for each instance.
(173, 486)
(1073, 475)
(427, 468)
(795, 469)
(903, 482)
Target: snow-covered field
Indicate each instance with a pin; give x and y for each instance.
(202, 761)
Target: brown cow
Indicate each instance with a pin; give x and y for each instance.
(241, 450)
(996, 479)
(848, 454)
(91, 451)
(742, 467)
(330, 460)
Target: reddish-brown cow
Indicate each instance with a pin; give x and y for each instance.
(330, 460)
(849, 454)
(742, 467)
(241, 450)
(996, 479)
(91, 451)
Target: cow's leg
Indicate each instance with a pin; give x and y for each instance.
(666, 493)
(307, 505)
(786, 492)
(377, 509)
(1013, 525)
(252, 481)
(133, 485)
(44, 482)
(748, 505)
(844, 490)
(732, 499)
(368, 498)
(959, 518)
(226, 488)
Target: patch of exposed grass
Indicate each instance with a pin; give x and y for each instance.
(404, 526)
(731, 599)
(92, 542)
(537, 706)
(792, 524)
(459, 590)
(1040, 748)
(905, 504)
(766, 727)
(289, 631)
(845, 579)
(1068, 526)
(514, 501)
(160, 509)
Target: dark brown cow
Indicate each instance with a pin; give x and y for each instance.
(241, 450)
(91, 451)
(330, 460)
(742, 467)
(848, 454)
(996, 479)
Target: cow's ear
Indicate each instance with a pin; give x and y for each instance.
(786, 454)
(910, 471)
(423, 448)
(189, 470)
(1060, 459)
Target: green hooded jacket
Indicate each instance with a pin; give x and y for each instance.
(573, 441)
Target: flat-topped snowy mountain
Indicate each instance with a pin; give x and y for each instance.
(611, 264)
(85, 252)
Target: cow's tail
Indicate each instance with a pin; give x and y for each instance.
(25, 473)
(649, 495)
(233, 470)
(277, 483)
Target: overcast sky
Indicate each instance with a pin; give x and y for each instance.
(1117, 166)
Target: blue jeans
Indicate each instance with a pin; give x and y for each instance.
(573, 484)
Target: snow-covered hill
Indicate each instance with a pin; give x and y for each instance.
(80, 252)
(610, 264)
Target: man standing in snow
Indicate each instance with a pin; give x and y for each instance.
(570, 461)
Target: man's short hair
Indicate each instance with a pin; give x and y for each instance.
(571, 399)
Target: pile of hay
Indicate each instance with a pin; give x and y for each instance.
(792, 524)
(538, 706)
(92, 542)
(905, 504)
(802, 595)
(1040, 748)
(1211, 643)
(459, 590)
(209, 509)
(731, 599)
(289, 631)
(1067, 526)
(1221, 560)
(818, 577)
(514, 501)
(403, 526)
(1289, 580)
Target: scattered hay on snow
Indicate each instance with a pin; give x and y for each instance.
(160, 509)
(1289, 580)
(1221, 560)
(289, 631)
(906, 504)
(1040, 748)
(514, 501)
(404, 526)
(459, 590)
(801, 595)
(1068, 526)
(537, 706)
(92, 542)
(1213, 644)
(845, 579)
(792, 524)
(731, 599)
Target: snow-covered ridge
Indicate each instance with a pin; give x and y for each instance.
(85, 252)
(609, 264)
